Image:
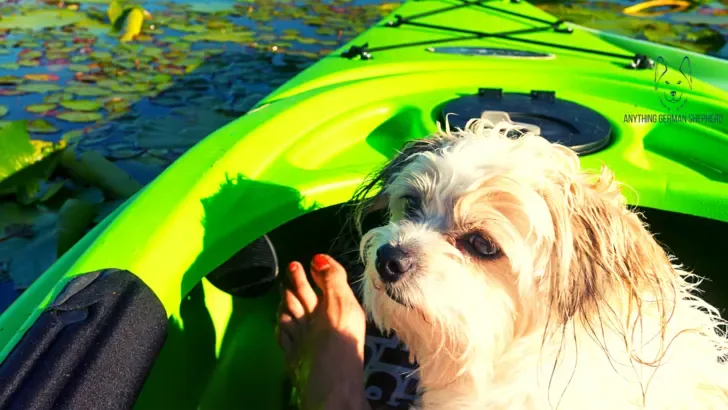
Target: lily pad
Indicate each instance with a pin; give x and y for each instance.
(22, 160)
(40, 19)
(10, 66)
(101, 56)
(3, 110)
(129, 88)
(180, 46)
(41, 77)
(190, 62)
(127, 64)
(10, 80)
(55, 98)
(41, 126)
(152, 51)
(187, 28)
(79, 68)
(79, 116)
(30, 54)
(243, 37)
(40, 108)
(29, 63)
(117, 105)
(87, 91)
(81, 105)
(38, 87)
(161, 78)
(73, 135)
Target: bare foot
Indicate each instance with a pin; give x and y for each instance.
(322, 337)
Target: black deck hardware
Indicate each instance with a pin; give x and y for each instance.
(546, 96)
(365, 52)
(251, 272)
(641, 62)
(574, 125)
(358, 51)
(92, 348)
(491, 93)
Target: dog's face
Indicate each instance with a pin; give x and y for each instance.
(458, 237)
(671, 85)
(489, 238)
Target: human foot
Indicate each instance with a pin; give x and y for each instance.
(322, 337)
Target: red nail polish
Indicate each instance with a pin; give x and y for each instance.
(320, 262)
(292, 266)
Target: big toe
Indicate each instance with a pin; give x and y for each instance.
(329, 275)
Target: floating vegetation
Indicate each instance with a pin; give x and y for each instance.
(40, 108)
(79, 116)
(81, 105)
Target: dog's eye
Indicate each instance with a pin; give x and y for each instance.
(667, 82)
(411, 206)
(679, 81)
(483, 246)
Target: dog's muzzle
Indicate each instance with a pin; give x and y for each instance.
(392, 263)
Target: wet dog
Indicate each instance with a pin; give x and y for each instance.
(520, 281)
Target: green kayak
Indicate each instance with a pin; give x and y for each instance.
(170, 301)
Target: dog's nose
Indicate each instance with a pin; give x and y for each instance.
(392, 263)
(672, 93)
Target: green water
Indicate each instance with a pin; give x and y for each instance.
(193, 68)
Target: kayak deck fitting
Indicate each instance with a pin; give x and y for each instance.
(171, 257)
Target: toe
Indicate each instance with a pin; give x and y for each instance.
(301, 287)
(329, 275)
(293, 305)
(286, 323)
(342, 309)
(284, 341)
(287, 335)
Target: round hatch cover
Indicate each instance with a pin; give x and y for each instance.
(574, 125)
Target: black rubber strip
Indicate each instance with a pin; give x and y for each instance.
(91, 349)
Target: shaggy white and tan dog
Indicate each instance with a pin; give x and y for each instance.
(519, 281)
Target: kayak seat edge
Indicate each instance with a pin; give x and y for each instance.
(91, 348)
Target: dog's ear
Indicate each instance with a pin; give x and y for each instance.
(376, 183)
(686, 70)
(602, 249)
(660, 70)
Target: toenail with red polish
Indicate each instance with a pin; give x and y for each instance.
(320, 262)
